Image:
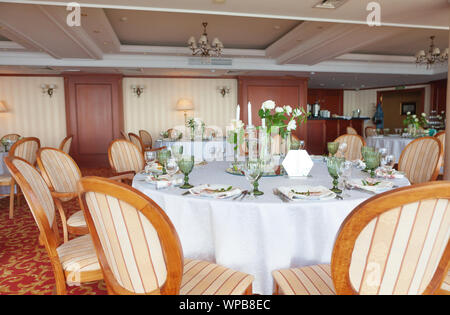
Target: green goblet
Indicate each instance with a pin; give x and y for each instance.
(364, 152)
(177, 151)
(253, 171)
(334, 165)
(372, 161)
(333, 147)
(163, 157)
(186, 164)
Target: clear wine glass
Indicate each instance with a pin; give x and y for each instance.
(345, 173)
(389, 163)
(383, 154)
(150, 158)
(172, 166)
(343, 147)
(177, 151)
(253, 171)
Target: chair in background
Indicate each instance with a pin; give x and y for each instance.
(8, 181)
(147, 139)
(12, 137)
(66, 144)
(125, 158)
(26, 149)
(137, 141)
(354, 145)
(62, 174)
(395, 243)
(124, 135)
(421, 160)
(351, 131)
(73, 262)
(371, 131)
(152, 235)
(441, 137)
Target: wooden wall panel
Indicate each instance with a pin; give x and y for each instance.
(329, 99)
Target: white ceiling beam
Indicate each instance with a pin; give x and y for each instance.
(9, 45)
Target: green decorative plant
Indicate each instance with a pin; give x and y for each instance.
(416, 121)
(235, 135)
(285, 118)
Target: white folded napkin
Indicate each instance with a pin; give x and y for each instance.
(305, 192)
(359, 164)
(393, 174)
(215, 191)
(163, 181)
(371, 184)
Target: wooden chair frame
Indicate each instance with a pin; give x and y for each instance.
(21, 141)
(170, 243)
(58, 197)
(146, 147)
(11, 134)
(49, 234)
(350, 128)
(349, 135)
(437, 169)
(63, 143)
(124, 135)
(363, 214)
(133, 135)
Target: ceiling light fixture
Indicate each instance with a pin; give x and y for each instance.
(433, 55)
(205, 49)
(329, 4)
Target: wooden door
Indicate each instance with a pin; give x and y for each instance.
(94, 117)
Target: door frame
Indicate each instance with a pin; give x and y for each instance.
(70, 81)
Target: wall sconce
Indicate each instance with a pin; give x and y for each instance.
(3, 108)
(138, 90)
(48, 89)
(224, 90)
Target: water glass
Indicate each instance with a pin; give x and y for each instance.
(253, 171)
(334, 166)
(372, 160)
(333, 147)
(150, 157)
(172, 166)
(163, 157)
(186, 164)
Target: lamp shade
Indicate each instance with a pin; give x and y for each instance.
(3, 107)
(185, 104)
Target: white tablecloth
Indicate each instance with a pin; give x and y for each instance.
(206, 150)
(255, 236)
(393, 144)
(3, 171)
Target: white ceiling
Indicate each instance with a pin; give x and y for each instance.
(289, 38)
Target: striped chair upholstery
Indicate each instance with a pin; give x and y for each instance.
(73, 262)
(371, 131)
(12, 137)
(351, 131)
(441, 137)
(354, 145)
(26, 149)
(125, 156)
(62, 174)
(124, 135)
(421, 160)
(139, 249)
(146, 138)
(137, 141)
(396, 243)
(66, 144)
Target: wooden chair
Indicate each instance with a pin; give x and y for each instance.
(8, 181)
(12, 136)
(147, 139)
(159, 265)
(62, 174)
(393, 243)
(441, 137)
(26, 149)
(125, 158)
(137, 141)
(354, 145)
(73, 262)
(66, 144)
(351, 131)
(124, 135)
(371, 131)
(445, 287)
(421, 160)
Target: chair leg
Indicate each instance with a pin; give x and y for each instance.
(11, 200)
(249, 290)
(18, 195)
(63, 219)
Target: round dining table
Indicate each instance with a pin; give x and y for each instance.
(256, 235)
(394, 144)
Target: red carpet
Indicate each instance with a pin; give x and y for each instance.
(24, 265)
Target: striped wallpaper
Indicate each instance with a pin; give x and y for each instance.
(30, 113)
(155, 109)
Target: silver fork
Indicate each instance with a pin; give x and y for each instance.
(276, 192)
(240, 195)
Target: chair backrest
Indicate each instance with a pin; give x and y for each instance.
(124, 135)
(26, 149)
(125, 156)
(12, 136)
(39, 199)
(354, 145)
(137, 245)
(59, 170)
(371, 131)
(137, 141)
(395, 243)
(441, 136)
(66, 144)
(146, 138)
(421, 160)
(351, 131)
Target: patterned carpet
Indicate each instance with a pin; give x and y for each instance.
(24, 264)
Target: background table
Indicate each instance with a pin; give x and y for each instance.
(255, 236)
(202, 150)
(3, 171)
(394, 144)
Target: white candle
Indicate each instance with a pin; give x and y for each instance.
(238, 112)
(263, 123)
(250, 114)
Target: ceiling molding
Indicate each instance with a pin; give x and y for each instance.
(9, 45)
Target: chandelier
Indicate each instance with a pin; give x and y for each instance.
(204, 48)
(433, 55)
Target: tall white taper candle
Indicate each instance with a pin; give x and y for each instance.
(238, 112)
(250, 114)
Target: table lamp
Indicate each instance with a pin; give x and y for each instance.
(185, 105)
(3, 108)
